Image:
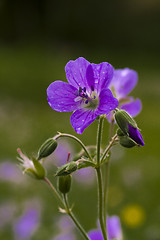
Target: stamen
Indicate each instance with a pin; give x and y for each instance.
(86, 101)
(80, 89)
(92, 88)
(84, 89)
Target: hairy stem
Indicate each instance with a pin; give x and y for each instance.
(101, 204)
(108, 148)
(78, 225)
(99, 137)
(54, 190)
(77, 140)
(99, 180)
(106, 173)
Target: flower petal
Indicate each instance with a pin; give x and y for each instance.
(107, 102)
(103, 74)
(81, 119)
(114, 228)
(95, 235)
(124, 80)
(61, 97)
(133, 108)
(134, 133)
(76, 72)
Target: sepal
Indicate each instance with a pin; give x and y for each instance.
(123, 119)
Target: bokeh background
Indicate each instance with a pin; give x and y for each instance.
(37, 39)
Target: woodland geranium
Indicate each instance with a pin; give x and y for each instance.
(86, 93)
(123, 82)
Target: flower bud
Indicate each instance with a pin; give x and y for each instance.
(64, 184)
(127, 142)
(47, 148)
(128, 129)
(67, 169)
(123, 119)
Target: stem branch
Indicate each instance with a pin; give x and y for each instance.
(77, 140)
(78, 225)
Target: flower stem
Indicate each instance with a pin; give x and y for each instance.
(77, 140)
(78, 225)
(67, 209)
(54, 190)
(106, 173)
(99, 180)
(108, 147)
(99, 137)
(101, 204)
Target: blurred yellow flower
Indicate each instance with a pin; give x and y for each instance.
(133, 215)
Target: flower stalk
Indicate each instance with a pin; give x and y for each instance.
(99, 180)
(74, 219)
(59, 135)
(67, 210)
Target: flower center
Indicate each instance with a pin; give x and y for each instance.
(90, 101)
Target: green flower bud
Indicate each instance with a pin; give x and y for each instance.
(67, 169)
(47, 148)
(127, 142)
(64, 184)
(123, 120)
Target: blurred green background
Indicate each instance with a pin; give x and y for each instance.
(37, 39)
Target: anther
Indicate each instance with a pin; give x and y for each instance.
(92, 88)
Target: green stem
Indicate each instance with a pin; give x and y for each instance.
(106, 183)
(100, 203)
(77, 140)
(99, 137)
(66, 206)
(82, 231)
(99, 180)
(54, 190)
(106, 173)
(108, 148)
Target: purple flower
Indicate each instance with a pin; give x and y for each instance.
(86, 92)
(27, 224)
(10, 172)
(85, 176)
(123, 82)
(113, 227)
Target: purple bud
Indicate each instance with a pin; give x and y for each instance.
(134, 134)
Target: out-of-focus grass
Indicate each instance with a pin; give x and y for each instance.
(26, 120)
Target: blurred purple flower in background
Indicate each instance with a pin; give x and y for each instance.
(123, 82)
(65, 224)
(10, 172)
(66, 228)
(85, 176)
(86, 93)
(113, 227)
(26, 225)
